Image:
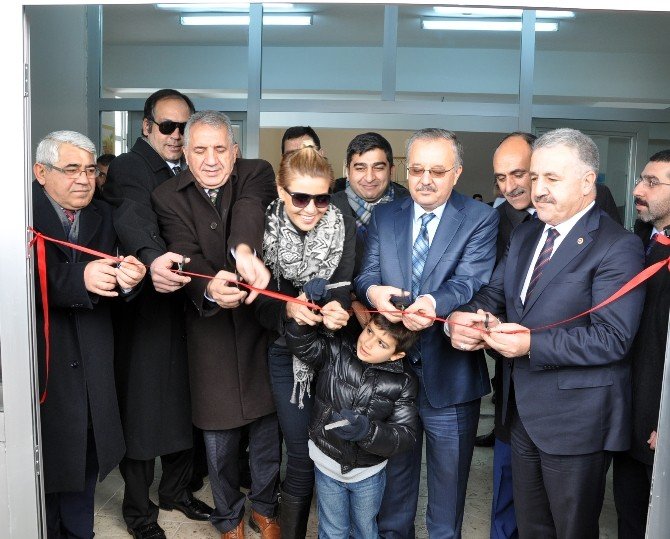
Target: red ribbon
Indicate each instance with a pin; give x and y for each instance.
(40, 238)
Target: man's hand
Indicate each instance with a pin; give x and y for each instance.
(361, 313)
(415, 321)
(508, 344)
(251, 269)
(100, 277)
(129, 272)
(225, 296)
(380, 297)
(164, 279)
(334, 316)
(301, 314)
(466, 329)
(652, 440)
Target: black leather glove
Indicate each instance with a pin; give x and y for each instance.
(315, 290)
(356, 430)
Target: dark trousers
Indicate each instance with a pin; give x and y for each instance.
(632, 485)
(503, 518)
(294, 422)
(69, 515)
(138, 475)
(556, 496)
(222, 459)
(450, 439)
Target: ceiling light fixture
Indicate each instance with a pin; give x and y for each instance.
(498, 13)
(243, 20)
(490, 26)
(210, 8)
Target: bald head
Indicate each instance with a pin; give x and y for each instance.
(511, 166)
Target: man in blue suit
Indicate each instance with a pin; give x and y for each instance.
(437, 248)
(566, 388)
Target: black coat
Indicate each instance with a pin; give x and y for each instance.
(81, 371)
(383, 392)
(648, 352)
(151, 360)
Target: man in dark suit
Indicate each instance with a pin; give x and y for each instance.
(79, 418)
(151, 362)
(440, 245)
(566, 389)
(633, 469)
(214, 213)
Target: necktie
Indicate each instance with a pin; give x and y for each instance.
(213, 193)
(176, 170)
(70, 214)
(545, 256)
(650, 245)
(420, 253)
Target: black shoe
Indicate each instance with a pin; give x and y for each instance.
(486, 440)
(148, 531)
(196, 483)
(191, 507)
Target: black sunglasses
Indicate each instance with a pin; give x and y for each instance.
(168, 126)
(302, 200)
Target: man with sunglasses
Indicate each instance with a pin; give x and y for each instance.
(151, 360)
(436, 248)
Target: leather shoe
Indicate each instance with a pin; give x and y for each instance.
(237, 533)
(268, 527)
(486, 440)
(191, 507)
(148, 531)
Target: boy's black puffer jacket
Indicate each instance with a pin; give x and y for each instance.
(383, 392)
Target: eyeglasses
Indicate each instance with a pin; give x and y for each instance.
(435, 172)
(302, 200)
(167, 127)
(75, 172)
(650, 182)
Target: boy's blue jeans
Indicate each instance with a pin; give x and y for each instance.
(349, 509)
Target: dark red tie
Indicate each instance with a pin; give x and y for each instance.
(70, 214)
(541, 262)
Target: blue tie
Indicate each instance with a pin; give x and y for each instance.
(542, 260)
(420, 253)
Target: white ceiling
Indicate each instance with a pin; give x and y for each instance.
(362, 25)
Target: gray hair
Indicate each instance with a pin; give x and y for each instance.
(587, 151)
(48, 150)
(212, 118)
(434, 133)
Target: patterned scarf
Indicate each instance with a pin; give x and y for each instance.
(363, 208)
(299, 257)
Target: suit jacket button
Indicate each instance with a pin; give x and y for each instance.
(74, 364)
(213, 226)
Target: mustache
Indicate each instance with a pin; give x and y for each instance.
(427, 188)
(546, 199)
(516, 192)
(640, 202)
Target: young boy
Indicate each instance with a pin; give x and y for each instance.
(364, 383)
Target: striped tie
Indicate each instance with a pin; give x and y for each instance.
(419, 253)
(541, 262)
(651, 244)
(176, 170)
(213, 194)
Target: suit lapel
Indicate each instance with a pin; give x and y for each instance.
(446, 230)
(89, 223)
(46, 219)
(578, 239)
(526, 252)
(402, 228)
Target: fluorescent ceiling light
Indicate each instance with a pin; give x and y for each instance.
(243, 20)
(499, 13)
(209, 8)
(492, 26)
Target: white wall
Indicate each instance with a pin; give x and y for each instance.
(58, 56)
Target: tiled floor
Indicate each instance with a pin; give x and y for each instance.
(109, 523)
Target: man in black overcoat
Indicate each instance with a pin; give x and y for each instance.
(79, 416)
(633, 469)
(151, 359)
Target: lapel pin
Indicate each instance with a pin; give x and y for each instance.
(580, 241)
